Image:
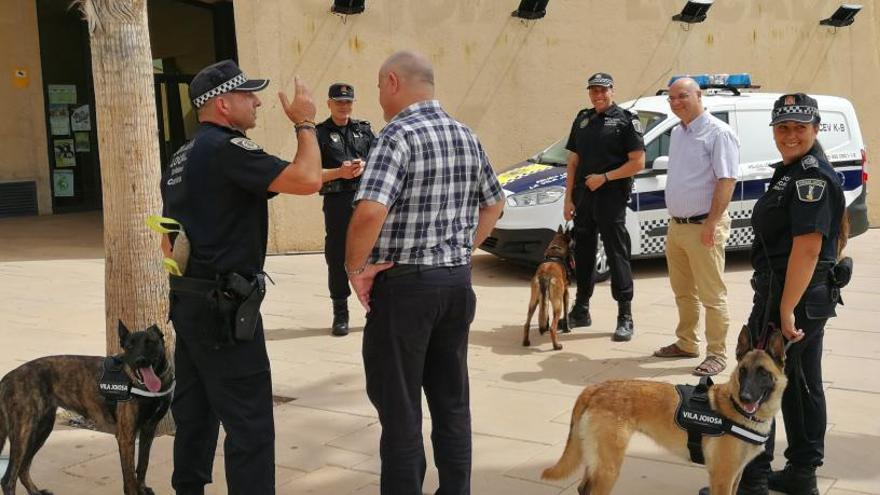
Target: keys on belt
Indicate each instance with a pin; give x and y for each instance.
(694, 219)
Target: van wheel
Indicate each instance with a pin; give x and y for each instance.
(602, 271)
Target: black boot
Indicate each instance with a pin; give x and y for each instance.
(340, 317)
(794, 479)
(579, 315)
(624, 330)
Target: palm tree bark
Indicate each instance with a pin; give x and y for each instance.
(136, 287)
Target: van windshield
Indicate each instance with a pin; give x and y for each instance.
(557, 155)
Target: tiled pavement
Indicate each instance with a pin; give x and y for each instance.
(51, 302)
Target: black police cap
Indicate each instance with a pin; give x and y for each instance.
(795, 107)
(217, 79)
(600, 79)
(341, 92)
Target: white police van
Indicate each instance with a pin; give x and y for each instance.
(535, 188)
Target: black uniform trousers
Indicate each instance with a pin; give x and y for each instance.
(416, 338)
(803, 402)
(337, 214)
(602, 213)
(229, 385)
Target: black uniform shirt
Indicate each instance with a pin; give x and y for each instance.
(603, 142)
(216, 186)
(803, 197)
(348, 142)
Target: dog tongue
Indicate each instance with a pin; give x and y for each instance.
(153, 383)
(750, 407)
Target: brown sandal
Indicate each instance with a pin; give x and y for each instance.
(673, 351)
(710, 366)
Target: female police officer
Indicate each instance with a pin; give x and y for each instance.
(800, 228)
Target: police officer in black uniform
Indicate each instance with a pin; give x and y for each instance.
(344, 143)
(217, 186)
(800, 229)
(606, 151)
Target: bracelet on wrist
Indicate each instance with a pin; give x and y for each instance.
(306, 121)
(301, 126)
(358, 271)
(606, 177)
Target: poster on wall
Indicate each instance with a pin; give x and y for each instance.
(81, 139)
(62, 181)
(64, 153)
(62, 94)
(59, 120)
(80, 118)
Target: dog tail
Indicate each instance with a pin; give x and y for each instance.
(543, 319)
(573, 455)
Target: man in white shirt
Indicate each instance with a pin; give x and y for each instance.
(703, 168)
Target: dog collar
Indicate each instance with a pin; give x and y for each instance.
(750, 417)
(147, 393)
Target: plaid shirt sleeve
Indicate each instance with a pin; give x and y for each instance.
(490, 188)
(385, 171)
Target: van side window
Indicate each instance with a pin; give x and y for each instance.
(722, 116)
(657, 147)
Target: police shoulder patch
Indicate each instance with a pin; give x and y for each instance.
(809, 161)
(245, 143)
(637, 125)
(810, 190)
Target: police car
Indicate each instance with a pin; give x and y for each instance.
(535, 188)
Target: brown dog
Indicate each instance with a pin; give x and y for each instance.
(31, 394)
(550, 283)
(607, 414)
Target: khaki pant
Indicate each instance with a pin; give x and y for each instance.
(696, 274)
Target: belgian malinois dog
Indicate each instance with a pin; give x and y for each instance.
(31, 394)
(550, 284)
(606, 415)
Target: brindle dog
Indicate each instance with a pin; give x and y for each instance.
(606, 415)
(550, 283)
(31, 394)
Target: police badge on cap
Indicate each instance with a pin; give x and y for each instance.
(600, 79)
(341, 92)
(217, 79)
(795, 107)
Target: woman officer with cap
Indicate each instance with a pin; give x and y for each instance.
(800, 228)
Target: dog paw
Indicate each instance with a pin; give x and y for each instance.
(526, 343)
(147, 491)
(43, 492)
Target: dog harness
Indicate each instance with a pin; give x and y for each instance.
(116, 386)
(695, 415)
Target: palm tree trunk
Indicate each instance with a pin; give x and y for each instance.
(135, 286)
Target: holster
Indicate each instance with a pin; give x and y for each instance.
(250, 295)
(842, 272)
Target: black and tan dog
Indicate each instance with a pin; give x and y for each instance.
(607, 414)
(139, 398)
(550, 286)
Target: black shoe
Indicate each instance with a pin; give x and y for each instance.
(340, 317)
(794, 479)
(624, 330)
(579, 317)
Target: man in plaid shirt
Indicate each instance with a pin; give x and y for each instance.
(427, 198)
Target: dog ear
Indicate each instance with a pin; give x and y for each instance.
(743, 343)
(123, 333)
(776, 348)
(560, 230)
(155, 330)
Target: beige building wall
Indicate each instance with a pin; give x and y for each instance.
(23, 148)
(518, 84)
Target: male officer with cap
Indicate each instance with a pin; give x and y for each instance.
(606, 150)
(344, 143)
(217, 186)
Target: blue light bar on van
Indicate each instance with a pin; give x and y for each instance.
(742, 80)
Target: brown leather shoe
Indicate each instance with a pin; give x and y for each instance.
(673, 351)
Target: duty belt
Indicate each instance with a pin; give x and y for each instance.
(338, 186)
(405, 270)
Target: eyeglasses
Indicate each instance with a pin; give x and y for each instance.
(681, 97)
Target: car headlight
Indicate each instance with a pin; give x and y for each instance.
(542, 196)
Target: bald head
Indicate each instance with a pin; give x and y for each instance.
(685, 99)
(405, 78)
